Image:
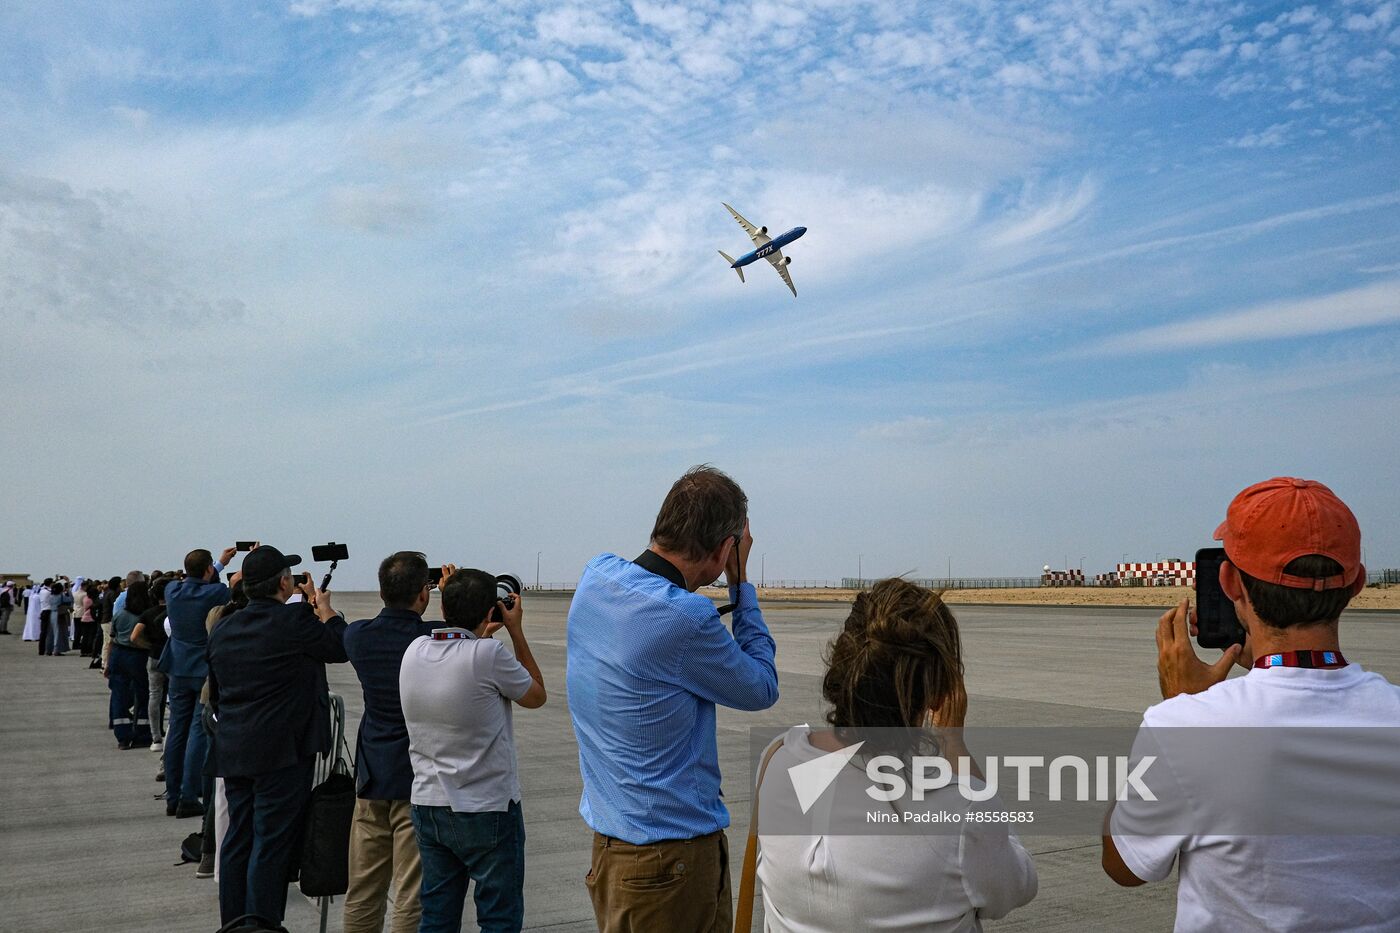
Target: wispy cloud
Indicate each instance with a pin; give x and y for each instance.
(1368, 306)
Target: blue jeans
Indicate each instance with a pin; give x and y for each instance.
(186, 745)
(488, 848)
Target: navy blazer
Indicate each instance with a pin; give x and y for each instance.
(376, 648)
(187, 606)
(267, 685)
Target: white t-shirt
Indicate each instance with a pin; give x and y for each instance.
(456, 697)
(929, 882)
(1273, 882)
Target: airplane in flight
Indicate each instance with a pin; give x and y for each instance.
(766, 247)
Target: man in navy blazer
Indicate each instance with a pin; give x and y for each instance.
(267, 688)
(383, 845)
(187, 605)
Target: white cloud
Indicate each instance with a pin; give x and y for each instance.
(908, 428)
(89, 258)
(1368, 306)
(1059, 211)
(1269, 138)
(376, 209)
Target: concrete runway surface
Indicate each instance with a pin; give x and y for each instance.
(84, 847)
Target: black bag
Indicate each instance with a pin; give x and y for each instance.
(251, 923)
(325, 846)
(192, 849)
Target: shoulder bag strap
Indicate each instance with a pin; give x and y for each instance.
(743, 916)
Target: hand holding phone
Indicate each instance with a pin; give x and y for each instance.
(1215, 625)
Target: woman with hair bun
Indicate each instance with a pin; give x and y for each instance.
(894, 682)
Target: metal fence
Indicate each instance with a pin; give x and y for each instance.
(1375, 578)
(951, 583)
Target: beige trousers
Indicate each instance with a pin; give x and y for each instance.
(673, 886)
(383, 847)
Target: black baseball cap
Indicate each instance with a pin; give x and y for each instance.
(267, 562)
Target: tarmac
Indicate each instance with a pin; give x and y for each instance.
(84, 846)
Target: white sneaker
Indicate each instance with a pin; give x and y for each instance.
(156, 747)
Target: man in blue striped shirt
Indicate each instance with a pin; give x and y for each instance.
(648, 660)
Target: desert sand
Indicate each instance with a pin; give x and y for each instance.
(1373, 597)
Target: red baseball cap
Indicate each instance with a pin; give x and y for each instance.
(1273, 522)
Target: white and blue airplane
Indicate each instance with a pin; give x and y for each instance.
(769, 248)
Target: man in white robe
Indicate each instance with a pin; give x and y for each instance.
(31, 617)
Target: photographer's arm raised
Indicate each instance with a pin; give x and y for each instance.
(513, 621)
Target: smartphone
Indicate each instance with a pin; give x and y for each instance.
(245, 545)
(1216, 625)
(322, 553)
(434, 577)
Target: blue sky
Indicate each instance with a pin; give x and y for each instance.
(411, 273)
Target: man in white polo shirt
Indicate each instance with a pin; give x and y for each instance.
(456, 688)
(1293, 554)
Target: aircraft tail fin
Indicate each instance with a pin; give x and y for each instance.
(730, 260)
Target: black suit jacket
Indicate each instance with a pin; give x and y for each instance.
(267, 685)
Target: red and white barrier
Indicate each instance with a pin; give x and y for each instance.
(1160, 573)
(1062, 578)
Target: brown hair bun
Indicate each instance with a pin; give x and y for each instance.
(897, 656)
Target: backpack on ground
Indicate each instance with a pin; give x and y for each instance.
(192, 849)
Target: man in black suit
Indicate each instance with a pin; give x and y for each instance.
(267, 687)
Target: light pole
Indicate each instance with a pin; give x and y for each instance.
(860, 571)
(950, 570)
(537, 568)
(1081, 563)
(763, 570)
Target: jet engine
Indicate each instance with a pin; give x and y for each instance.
(763, 230)
(787, 260)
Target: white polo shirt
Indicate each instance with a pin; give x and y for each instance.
(456, 697)
(1272, 882)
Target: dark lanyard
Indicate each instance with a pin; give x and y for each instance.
(450, 636)
(1313, 659)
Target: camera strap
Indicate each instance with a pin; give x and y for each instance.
(451, 634)
(1312, 659)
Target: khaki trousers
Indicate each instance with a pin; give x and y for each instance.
(672, 886)
(383, 847)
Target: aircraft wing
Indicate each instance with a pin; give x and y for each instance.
(776, 258)
(759, 239)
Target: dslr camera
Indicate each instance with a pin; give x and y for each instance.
(508, 587)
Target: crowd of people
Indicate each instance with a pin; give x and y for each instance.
(241, 667)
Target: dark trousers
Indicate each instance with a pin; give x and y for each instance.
(266, 813)
(44, 630)
(85, 633)
(186, 745)
(126, 678)
(96, 646)
(488, 848)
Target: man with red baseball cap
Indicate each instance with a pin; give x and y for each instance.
(1293, 563)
